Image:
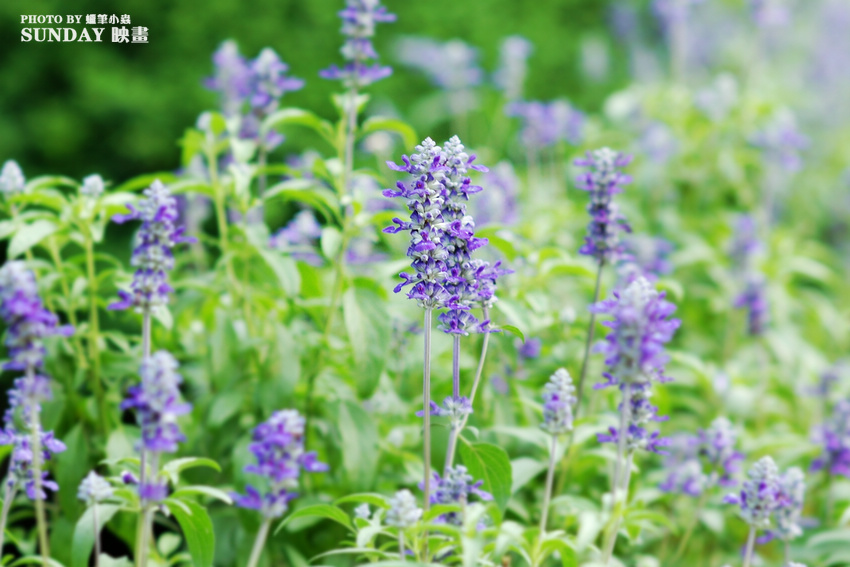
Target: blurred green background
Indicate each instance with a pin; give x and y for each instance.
(118, 109)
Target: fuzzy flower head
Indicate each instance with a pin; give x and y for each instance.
(558, 401)
(20, 465)
(640, 327)
(513, 66)
(545, 124)
(152, 256)
(645, 256)
(359, 20)
(300, 238)
(278, 446)
(12, 180)
(28, 322)
(792, 490)
(93, 186)
(754, 300)
(456, 486)
(781, 142)
(717, 446)
(403, 512)
(270, 81)
(94, 489)
(760, 495)
(232, 78)
(157, 403)
(700, 462)
(834, 438)
(641, 413)
(603, 179)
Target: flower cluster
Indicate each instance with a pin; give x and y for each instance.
(299, 237)
(558, 401)
(93, 186)
(761, 494)
(699, 462)
(745, 244)
(792, 491)
(641, 412)
(28, 324)
(455, 487)
(251, 89)
(454, 408)
(403, 511)
(513, 66)
(501, 205)
(278, 446)
(646, 257)
(152, 256)
(451, 65)
(545, 124)
(12, 179)
(442, 235)
(782, 142)
(754, 300)
(744, 248)
(834, 437)
(359, 19)
(94, 489)
(603, 179)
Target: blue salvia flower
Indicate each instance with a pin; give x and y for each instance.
(93, 186)
(456, 486)
(745, 244)
(94, 489)
(545, 124)
(232, 78)
(641, 412)
(558, 401)
(782, 142)
(645, 256)
(12, 180)
(28, 324)
(501, 206)
(152, 256)
(754, 300)
(603, 179)
(270, 81)
(300, 238)
(760, 496)
(359, 19)
(700, 462)
(834, 437)
(279, 450)
(403, 511)
(792, 491)
(513, 66)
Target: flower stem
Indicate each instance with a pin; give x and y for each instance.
(8, 497)
(259, 543)
(547, 495)
(146, 334)
(144, 532)
(619, 466)
(751, 541)
(94, 331)
(456, 366)
(40, 518)
(96, 535)
(787, 546)
(401, 543)
(426, 406)
(683, 544)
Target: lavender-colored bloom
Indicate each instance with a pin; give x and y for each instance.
(361, 251)
(403, 511)
(700, 462)
(671, 12)
(279, 449)
(20, 467)
(754, 300)
(500, 385)
(152, 255)
(93, 186)
(359, 19)
(513, 66)
(545, 124)
(792, 491)
(12, 179)
(760, 495)
(232, 79)
(745, 244)
(658, 142)
(94, 489)
(530, 348)
(558, 401)
(501, 205)
(363, 512)
(684, 469)
(645, 256)
(634, 349)
(828, 379)
(157, 403)
(455, 487)
(716, 445)
(603, 179)
(452, 66)
(299, 237)
(641, 412)
(834, 437)
(781, 142)
(270, 81)
(770, 13)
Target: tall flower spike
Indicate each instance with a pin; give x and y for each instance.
(760, 495)
(513, 66)
(792, 491)
(12, 179)
(232, 78)
(94, 489)
(754, 300)
(403, 511)
(279, 450)
(152, 256)
(456, 486)
(641, 412)
(703, 461)
(359, 19)
(93, 186)
(603, 179)
(558, 401)
(834, 437)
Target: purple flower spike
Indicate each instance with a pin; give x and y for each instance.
(834, 437)
(456, 486)
(279, 450)
(545, 124)
(760, 495)
(558, 401)
(701, 462)
(782, 142)
(754, 300)
(792, 490)
(603, 179)
(232, 79)
(152, 256)
(513, 66)
(359, 19)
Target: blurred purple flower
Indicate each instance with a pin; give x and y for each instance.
(558, 401)
(546, 124)
(834, 438)
(501, 207)
(760, 495)
(299, 237)
(781, 142)
(359, 19)
(754, 300)
(456, 486)
(513, 66)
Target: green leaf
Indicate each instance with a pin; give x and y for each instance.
(491, 464)
(359, 438)
(299, 117)
(331, 241)
(204, 490)
(197, 529)
(395, 125)
(84, 533)
(307, 192)
(72, 465)
(513, 330)
(368, 325)
(283, 267)
(373, 498)
(48, 198)
(175, 467)
(317, 510)
(29, 235)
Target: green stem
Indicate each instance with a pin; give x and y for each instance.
(96, 536)
(751, 541)
(401, 543)
(259, 543)
(144, 533)
(547, 495)
(426, 407)
(94, 331)
(35, 440)
(221, 217)
(617, 506)
(683, 544)
(66, 291)
(8, 498)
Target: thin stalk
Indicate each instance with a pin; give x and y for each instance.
(616, 509)
(146, 334)
(426, 406)
(66, 291)
(401, 543)
(751, 542)
(143, 536)
(683, 544)
(456, 366)
(40, 517)
(259, 543)
(450, 454)
(8, 498)
(221, 216)
(96, 535)
(94, 330)
(348, 150)
(787, 546)
(262, 158)
(547, 495)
